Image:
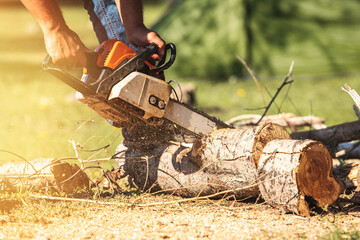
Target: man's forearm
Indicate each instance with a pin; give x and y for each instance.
(62, 44)
(46, 13)
(131, 14)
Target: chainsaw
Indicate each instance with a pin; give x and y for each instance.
(124, 87)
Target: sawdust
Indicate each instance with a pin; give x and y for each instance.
(195, 220)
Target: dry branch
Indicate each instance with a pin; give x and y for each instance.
(284, 83)
(251, 72)
(284, 119)
(345, 132)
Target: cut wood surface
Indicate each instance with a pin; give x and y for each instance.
(345, 132)
(69, 177)
(265, 133)
(292, 170)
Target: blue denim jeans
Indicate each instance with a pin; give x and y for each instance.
(106, 20)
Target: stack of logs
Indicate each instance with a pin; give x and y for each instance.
(241, 163)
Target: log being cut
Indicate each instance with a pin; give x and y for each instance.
(241, 163)
(223, 161)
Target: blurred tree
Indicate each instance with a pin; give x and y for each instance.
(267, 34)
(205, 32)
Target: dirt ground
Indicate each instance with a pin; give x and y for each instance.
(220, 219)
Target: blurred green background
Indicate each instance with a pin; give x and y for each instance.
(39, 114)
(321, 36)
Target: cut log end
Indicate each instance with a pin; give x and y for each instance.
(292, 170)
(315, 177)
(69, 177)
(265, 134)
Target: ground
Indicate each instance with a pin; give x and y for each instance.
(216, 219)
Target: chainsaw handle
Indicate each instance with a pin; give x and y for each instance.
(148, 51)
(161, 66)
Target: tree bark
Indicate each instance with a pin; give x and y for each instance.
(291, 170)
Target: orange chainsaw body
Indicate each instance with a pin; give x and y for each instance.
(112, 52)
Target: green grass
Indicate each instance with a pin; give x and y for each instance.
(338, 233)
(321, 97)
(39, 113)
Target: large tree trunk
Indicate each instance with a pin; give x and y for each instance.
(291, 170)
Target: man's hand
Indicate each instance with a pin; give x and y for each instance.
(63, 45)
(141, 37)
(131, 14)
(65, 48)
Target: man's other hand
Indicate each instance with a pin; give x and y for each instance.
(65, 48)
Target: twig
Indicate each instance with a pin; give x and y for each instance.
(77, 200)
(97, 160)
(251, 72)
(77, 152)
(285, 82)
(82, 124)
(95, 150)
(32, 166)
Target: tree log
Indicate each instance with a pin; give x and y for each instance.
(345, 132)
(291, 170)
(224, 160)
(42, 175)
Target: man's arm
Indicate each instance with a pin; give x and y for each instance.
(63, 45)
(132, 17)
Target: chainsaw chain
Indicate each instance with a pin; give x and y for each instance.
(219, 124)
(187, 135)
